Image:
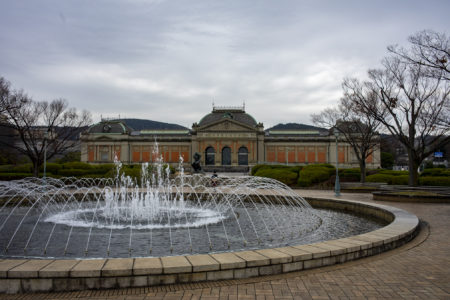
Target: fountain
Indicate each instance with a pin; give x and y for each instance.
(159, 215)
(72, 234)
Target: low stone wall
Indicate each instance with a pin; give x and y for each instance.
(387, 196)
(32, 275)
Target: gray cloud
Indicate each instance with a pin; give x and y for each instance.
(169, 60)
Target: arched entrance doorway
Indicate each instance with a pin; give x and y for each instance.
(209, 156)
(226, 156)
(243, 156)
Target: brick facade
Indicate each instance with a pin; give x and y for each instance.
(225, 137)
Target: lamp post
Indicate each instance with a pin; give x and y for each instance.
(337, 186)
(45, 153)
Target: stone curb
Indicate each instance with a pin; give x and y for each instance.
(44, 275)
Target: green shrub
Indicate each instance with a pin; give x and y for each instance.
(400, 180)
(312, 174)
(77, 165)
(172, 169)
(134, 173)
(387, 160)
(304, 182)
(73, 172)
(14, 176)
(284, 175)
(51, 168)
(380, 178)
(6, 168)
(315, 175)
(353, 174)
(435, 180)
(295, 169)
(393, 173)
(24, 168)
(70, 157)
(256, 168)
(94, 176)
(100, 169)
(435, 172)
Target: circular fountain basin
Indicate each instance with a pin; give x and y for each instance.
(73, 233)
(32, 275)
(163, 216)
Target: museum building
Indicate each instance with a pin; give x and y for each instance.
(228, 139)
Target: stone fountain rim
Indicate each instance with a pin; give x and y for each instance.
(44, 275)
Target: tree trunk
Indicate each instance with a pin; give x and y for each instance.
(36, 166)
(362, 168)
(413, 173)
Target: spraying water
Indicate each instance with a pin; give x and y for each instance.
(157, 214)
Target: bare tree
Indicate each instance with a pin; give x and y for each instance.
(6, 97)
(42, 125)
(358, 129)
(412, 106)
(430, 50)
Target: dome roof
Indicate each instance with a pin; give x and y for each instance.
(109, 127)
(236, 114)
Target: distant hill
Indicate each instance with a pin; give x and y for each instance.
(138, 124)
(295, 126)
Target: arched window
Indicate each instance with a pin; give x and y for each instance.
(243, 156)
(209, 156)
(226, 156)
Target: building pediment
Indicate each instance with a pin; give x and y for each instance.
(103, 138)
(226, 125)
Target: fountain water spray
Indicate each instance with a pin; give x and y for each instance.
(158, 214)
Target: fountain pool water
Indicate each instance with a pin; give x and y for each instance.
(161, 215)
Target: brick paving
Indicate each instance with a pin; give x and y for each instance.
(418, 270)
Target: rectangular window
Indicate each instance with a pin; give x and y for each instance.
(341, 154)
(281, 157)
(146, 153)
(104, 153)
(311, 155)
(271, 156)
(91, 153)
(117, 151)
(321, 155)
(136, 153)
(301, 156)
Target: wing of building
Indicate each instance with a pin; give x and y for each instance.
(228, 139)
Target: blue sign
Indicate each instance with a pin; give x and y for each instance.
(438, 154)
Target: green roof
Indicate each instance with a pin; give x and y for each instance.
(294, 132)
(163, 132)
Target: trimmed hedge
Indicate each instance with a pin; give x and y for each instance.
(283, 174)
(353, 174)
(53, 168)
(14, 176)
(77, 165)
(313, 174)
(379, 178)
(435, 181)
(73, 172)
(400, 180)
(439, 172)
(257, 168)
(101, 169)
(6, 168)
(393, 173)
(25, 168)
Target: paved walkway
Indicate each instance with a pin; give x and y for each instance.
(418, 270)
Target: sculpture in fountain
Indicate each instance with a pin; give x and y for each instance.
(196, 166)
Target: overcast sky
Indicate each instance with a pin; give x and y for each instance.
(170, 60)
